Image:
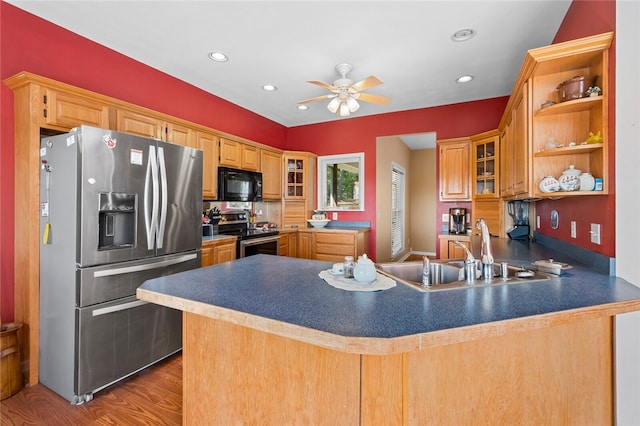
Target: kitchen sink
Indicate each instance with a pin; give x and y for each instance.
(451, 275)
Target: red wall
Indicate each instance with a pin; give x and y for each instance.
(585, 18)
(359, 135)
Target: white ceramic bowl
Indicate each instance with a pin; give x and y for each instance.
(318, 223)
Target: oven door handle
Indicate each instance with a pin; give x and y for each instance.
(261, 240)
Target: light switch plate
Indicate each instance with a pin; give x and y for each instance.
(445, 217)
(573, 229)
(334, 216)
(595, 233)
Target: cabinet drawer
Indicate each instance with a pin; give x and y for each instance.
(335, 238)
(333, 249)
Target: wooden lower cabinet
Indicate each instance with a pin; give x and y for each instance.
(218, 251)
(288, 243)
(450, 250)
(561, 374)
(332, 245)
(304, 245)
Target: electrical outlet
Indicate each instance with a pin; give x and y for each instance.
(445, 217)
(334, 216)
(537, 222)
(595, 233)
(573, 229)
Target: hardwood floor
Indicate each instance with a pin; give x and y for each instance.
(150, 397)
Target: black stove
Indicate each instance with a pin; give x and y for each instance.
(236, 222)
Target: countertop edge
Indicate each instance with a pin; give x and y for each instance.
(386, 346)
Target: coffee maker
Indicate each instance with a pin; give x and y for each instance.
(457, 221)
(519, 212)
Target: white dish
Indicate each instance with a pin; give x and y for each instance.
(318, 223)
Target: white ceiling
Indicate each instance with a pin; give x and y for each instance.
(407, 44)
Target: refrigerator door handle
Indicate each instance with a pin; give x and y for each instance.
(145, 266)
(163, 206)
(118, 308)
(151, 198)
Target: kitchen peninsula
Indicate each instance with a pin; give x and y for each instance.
(266, 341)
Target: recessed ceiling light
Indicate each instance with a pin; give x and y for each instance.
(269, 88)
(303, 107)
(218, 57)
(464, 79)
(463, 35)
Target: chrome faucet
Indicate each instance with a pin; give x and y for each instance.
(469, 264)
(485, 251)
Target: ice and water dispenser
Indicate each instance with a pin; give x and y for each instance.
(116, 220)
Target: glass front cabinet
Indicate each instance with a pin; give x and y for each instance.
(485, 158)
(295, 177)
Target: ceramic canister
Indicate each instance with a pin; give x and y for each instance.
(570, 179)
(549, 184)
(587, 182)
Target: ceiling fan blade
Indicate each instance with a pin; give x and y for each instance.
(375, 99)
(318, 98)
(368, 82)
(323, 84)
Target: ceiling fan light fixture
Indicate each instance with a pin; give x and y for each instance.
(344, 109)
(269, 88)
(334, 105)
(303, 107)
(352, 104)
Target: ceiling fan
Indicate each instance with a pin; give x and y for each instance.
(345, 93)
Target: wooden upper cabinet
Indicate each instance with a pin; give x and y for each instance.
(181, 135)
(230, 154)
(239, 155)
(295, 169)
(560, 132)
(515, 158)
(506, 162)
(250, 157)
(521, 145)
(66, 111)
(139, 124)
(208, 143)
(455, 169)
(543, 133)
(486, 165)
(271, 166)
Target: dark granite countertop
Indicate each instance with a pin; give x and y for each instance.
(289, 290)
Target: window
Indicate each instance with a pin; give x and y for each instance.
(397, 209)
(341, 182)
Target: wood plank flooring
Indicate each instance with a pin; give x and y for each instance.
(150, 397)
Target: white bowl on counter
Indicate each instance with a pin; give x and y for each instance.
(318, 223)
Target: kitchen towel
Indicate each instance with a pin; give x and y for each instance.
(338, 281)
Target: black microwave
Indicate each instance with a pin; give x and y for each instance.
(239, 185)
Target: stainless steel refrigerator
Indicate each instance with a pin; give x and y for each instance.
(116, 210)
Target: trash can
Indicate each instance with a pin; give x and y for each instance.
(10, 374)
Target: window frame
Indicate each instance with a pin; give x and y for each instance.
(323, 162)
(398, 209)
